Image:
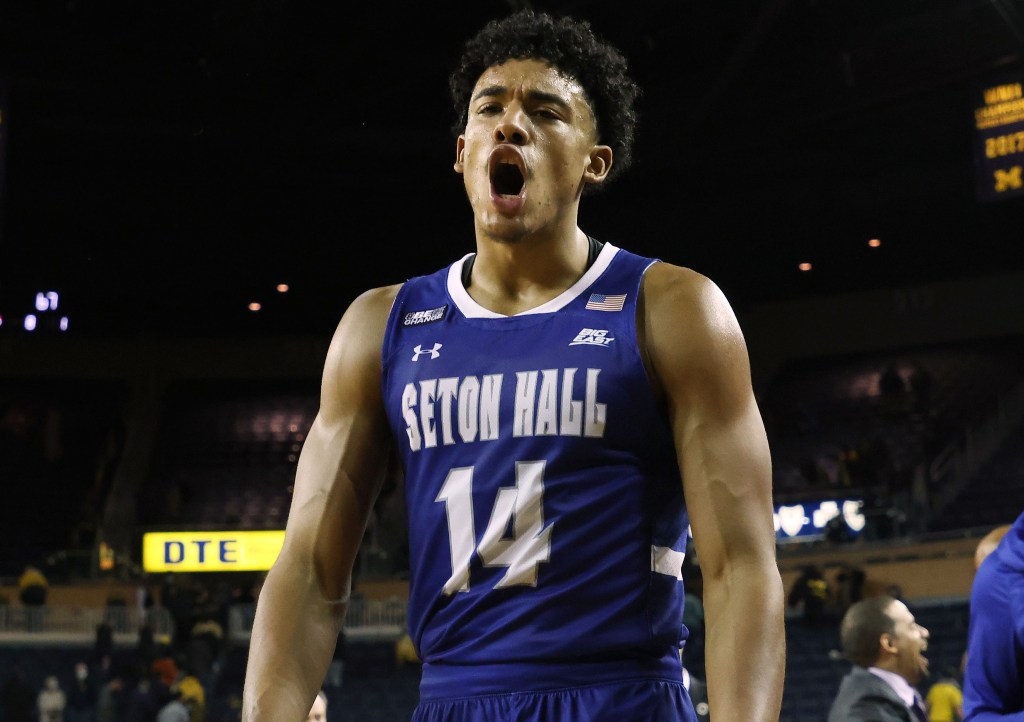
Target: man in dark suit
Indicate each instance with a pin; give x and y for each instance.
(885, 644)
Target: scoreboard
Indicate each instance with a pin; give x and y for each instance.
(999, 141)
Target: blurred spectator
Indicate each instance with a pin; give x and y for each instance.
(193, 695)
(165, 669)
(204, 649)
(848, 472)
(33, 587)
(178, 595)
(18, 698)
(145, 651)
(810, 593)
(144, 701)
(405, 651)
(51, 701)
(112, 705)
(32, 590)
(893, 389)
(82, 696)
(945, 698)
(199, 659)
(849, 586)
(173, 709)
(104, 645)
(837, 531)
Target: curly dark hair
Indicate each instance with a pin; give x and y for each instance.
(571, 46)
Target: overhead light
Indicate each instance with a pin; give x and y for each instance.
(282, 288)
(804, 266)
(255, 306)
(874, 243)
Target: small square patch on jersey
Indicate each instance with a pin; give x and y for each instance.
(417, 318)
(602, 302)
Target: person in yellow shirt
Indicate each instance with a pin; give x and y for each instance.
(32, 587)
(945, 699)
(193, 696)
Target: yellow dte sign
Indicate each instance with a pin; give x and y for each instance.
(211, 551)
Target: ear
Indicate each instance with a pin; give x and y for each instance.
(460, 152)
(599, 164)
(887, 643)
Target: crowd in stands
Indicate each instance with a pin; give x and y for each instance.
(161, 678)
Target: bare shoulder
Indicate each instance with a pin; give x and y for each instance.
(372, 307)
(355, 351)
(365, 319)
(686, 314)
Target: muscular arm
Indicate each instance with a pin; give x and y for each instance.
(699, 359)
(303, 601)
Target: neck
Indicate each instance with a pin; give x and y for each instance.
(510, 277)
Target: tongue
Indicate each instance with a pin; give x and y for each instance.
(508, 205)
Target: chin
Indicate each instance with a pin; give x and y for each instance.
(504, 228)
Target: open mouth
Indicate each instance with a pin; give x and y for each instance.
(507, 172)
(507, 178)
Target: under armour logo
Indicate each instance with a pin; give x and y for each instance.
(434, 352)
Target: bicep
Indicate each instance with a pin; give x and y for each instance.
(704, 372)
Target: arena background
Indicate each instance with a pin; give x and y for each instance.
(192, 193)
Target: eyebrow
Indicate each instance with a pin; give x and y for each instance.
(535, 95)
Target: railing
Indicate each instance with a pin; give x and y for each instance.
(79, 624)
(365, 619)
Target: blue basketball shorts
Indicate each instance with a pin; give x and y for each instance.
(634, 698)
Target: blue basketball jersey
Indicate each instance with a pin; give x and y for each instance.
(545, 506)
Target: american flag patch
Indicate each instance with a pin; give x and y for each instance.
(601, 302)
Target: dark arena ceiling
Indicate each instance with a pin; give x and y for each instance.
(167, 163)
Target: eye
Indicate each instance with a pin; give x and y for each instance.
(489, 109)
(547, 113)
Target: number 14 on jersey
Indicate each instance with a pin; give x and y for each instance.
(521, 506)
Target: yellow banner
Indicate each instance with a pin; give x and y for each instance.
(210, 551)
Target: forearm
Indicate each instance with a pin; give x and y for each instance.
(294, 634)
(745, 655)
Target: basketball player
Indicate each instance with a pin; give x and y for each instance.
(563, 410)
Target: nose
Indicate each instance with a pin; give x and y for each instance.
(512, 127)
